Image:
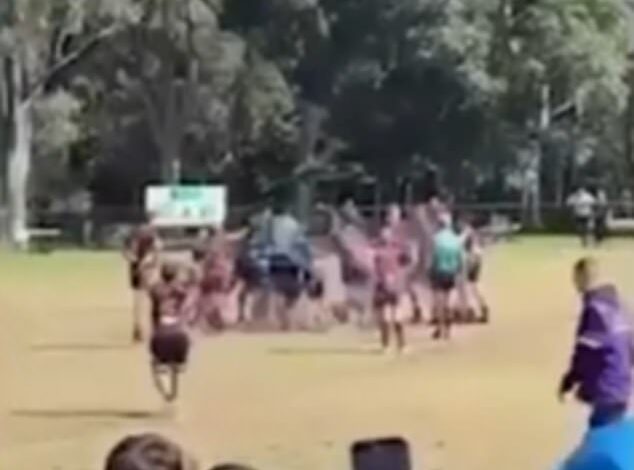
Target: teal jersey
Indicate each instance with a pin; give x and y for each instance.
(448, 252)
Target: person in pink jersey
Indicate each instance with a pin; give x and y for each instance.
(390, 260)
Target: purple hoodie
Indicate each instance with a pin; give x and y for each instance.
(604, 354)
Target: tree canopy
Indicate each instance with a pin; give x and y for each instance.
(105, 96)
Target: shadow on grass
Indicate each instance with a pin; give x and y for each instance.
(325, 351)
(69, 347)
(87, 414)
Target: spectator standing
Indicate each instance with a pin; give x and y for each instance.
(582, 203)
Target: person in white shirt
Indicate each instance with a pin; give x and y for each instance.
(582, 203)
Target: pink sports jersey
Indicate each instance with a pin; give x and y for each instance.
(388, 259)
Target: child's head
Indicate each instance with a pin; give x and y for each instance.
(145, 452)
(585, 274)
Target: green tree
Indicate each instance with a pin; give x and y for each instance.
(41, 42)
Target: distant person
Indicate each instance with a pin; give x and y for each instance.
(473, 268)
(148, 452)
(401, 231)
(607, 448)
(447, 263)
(170, 344)
(216, 283)
(582, 203)
(600, 372)
(142, 251)
(391, 284)
(601, 213)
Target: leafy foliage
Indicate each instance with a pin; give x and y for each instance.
(251, 91)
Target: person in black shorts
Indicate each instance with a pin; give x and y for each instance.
(446, 266)
(170, 344)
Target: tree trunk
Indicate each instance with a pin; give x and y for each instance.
(312, 118)
(535, 187)
(18, 172)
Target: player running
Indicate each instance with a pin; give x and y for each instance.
(142, 252)
(600, 372)
(391, 284)
(446, 265)
(169, 345)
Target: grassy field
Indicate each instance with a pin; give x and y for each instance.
(71, 384)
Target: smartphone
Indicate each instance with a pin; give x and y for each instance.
(381, 454)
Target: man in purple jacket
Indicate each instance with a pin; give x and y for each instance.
(601, 368)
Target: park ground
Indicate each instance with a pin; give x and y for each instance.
(71, 384)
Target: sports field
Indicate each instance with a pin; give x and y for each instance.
(72, 384)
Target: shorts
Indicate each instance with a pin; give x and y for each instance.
(584, 224)
(169, 346)
(248, 271)
(286, 279)
(385, 297)
(473, 272)
(444, 282)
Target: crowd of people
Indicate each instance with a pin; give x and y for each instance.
(399, 264)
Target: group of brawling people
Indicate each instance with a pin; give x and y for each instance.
(428, 249)
(193, 294)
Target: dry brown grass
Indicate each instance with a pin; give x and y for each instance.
(72, 385)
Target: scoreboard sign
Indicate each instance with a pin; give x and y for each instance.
(186, 205)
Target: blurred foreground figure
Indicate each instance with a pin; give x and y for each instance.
(600, 373)
(148, 452)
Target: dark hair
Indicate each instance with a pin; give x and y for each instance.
(145, 452)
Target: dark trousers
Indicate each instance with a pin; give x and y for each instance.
(601, 228)
(603, 415)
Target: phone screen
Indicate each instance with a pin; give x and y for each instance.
(381, 454)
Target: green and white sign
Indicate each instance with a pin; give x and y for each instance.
(186, 205)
